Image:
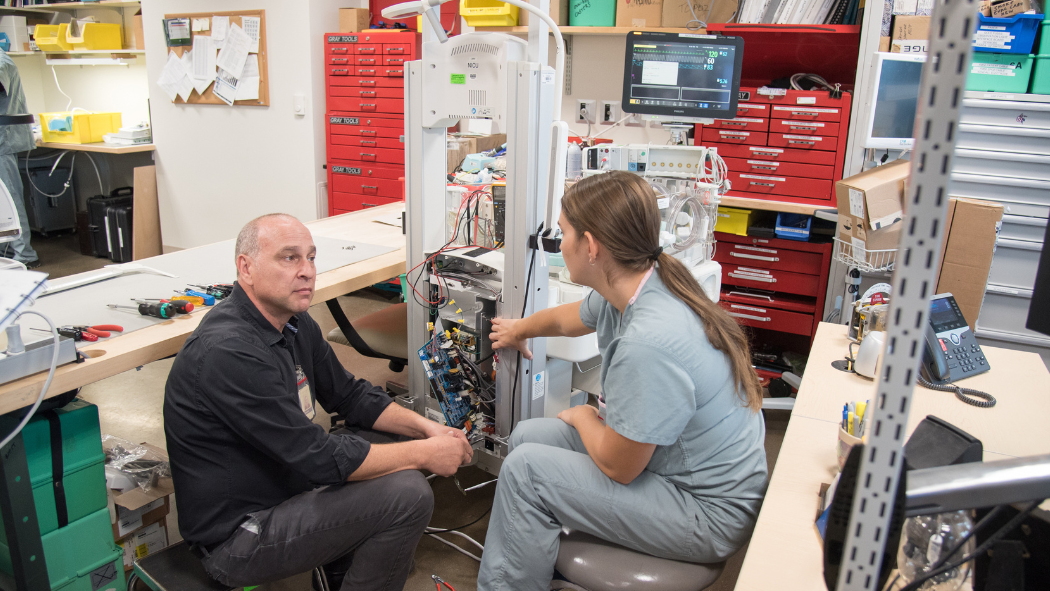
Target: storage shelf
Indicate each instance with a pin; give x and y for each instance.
(98, 147)
(1007, 96)
(102, 4)
(93, 51)
(766, 205)
(591, 30)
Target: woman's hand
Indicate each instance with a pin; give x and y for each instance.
(571, 415)
(504, 336)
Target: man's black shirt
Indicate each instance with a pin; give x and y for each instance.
(238, 439)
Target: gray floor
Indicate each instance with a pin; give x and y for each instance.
(60, 255)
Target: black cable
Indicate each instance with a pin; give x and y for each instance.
(441, 531)
(967, 395)
(1010, 526)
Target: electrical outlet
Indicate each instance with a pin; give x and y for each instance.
(635, 120)
(609, 112)
(586, 111)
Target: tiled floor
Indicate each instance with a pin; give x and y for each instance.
(130, 407)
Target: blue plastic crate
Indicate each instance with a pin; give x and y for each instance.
(1006, 35)
(793, 226)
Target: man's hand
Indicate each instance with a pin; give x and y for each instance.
(435, 429)
(574, 414)
(504, 336)
(446, 453)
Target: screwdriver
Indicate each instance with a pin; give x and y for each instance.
(216, 291)
(180, 306)
(154, 310)
(208, 299)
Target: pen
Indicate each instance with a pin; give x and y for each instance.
(851, 419)
(853, 407)
(845, 415)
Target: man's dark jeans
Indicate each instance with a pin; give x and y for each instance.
(368, 530)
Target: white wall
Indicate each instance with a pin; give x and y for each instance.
(220, 166)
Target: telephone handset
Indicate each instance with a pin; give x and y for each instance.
(951, 352)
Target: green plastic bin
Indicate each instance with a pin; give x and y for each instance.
(1044, 37)
(1000, 72)
(84, 472)
(592, 13)
(81, 556)
(1041, 73)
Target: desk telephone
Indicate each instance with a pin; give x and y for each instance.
(952, 352)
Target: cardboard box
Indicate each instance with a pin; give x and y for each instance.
(966, 253)
(146, 541)
(676, 13)
(353, 20)
(985, 7)
(884, 44)
(138, 41)
(559, 13)
(910, 34)
(1008, 8)
(639, 13)
(135, 508)
(458, 147)
(870, 209)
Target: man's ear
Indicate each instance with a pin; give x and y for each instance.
(244, 269)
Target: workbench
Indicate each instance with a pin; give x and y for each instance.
(118, 354)
(785, 551)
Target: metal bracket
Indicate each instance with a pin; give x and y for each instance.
(940, 100)
(567, 83)
(19, 513)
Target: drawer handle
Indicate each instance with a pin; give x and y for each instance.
(368, 143)
(368, 83)
(747, 294)
(751, 317)
(740, 123)
(395, 60)
(770, 154)
(810, 127)
(754, 257)
(806, 113)
(367, 106)
(369, 205)
(808, 143)
(368, 62)
(763, 184)
(338, 50)
(763, 167)
(368, 93)
(339, 60)
(365, 156)
(753, 278)
(340, 72)
(395, 50)
(739, 307)
(363, 50)
(371, 132)
(370, 187)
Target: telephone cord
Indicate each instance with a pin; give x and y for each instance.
(967, 395)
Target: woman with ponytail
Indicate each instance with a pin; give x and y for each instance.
(674, 463)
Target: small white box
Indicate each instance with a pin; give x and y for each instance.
(16, 29)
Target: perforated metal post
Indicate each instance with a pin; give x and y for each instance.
(940, 99)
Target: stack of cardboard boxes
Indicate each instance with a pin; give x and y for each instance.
(871, 208)
(139, 517)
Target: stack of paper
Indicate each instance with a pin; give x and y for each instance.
(799, 12)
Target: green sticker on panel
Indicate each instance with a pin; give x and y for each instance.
(459, 78)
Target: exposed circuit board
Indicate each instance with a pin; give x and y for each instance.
(461, 389)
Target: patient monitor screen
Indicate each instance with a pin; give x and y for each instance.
(677, 75)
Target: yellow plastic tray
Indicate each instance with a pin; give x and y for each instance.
(488, 13)
(88, 128)
(97, 36)
(52, 37)
(733, 221)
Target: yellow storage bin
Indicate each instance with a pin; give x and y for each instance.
(83, 128)
(52, 37)
(488, 13)
(97, 36)
(733, 221)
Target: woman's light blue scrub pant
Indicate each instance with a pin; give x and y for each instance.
(549, 481)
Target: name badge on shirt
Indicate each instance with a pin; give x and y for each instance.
(306, 399)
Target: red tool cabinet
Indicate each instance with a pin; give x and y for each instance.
(797, 139)
(365, 124)
(772, 283)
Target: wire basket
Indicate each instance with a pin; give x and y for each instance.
(865, 260)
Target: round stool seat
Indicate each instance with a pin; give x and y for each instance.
(598, 565)
(385, 331)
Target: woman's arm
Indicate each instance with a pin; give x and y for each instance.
(616, 456)
(561, 321)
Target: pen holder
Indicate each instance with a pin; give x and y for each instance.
(844, 444)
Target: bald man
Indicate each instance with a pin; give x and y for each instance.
(265, 493)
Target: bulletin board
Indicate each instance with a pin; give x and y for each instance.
(209, 98)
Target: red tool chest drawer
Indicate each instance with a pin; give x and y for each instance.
(339, 71)
(367, 92)
(367, 60)
(365, 71)
(752, 110)
(391, 60)
(365, 82)
(367, 186)
(398, 49)
(781, 185)
(769, 318)
(741, 124)
(732, 136)
(776, 154)
(396, 72)
(343, 123)
(355, 202)
(762, 298)
(804, 113)
(811, 171)
(774, 280)
(803, 142)
(804, 127)
(768, 258)
(339, 60)
(393, 143)
(345, 170)
(793, 98)
(367, 49)
(376, 105)
(367, 154)
(365, 133)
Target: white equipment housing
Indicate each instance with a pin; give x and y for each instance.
(465, 78)
(10, 228)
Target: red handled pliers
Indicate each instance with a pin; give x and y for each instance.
(101, 330)
(439, 583)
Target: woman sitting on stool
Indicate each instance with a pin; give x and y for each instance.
(674, 464)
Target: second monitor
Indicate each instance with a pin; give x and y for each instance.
(681, 77)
